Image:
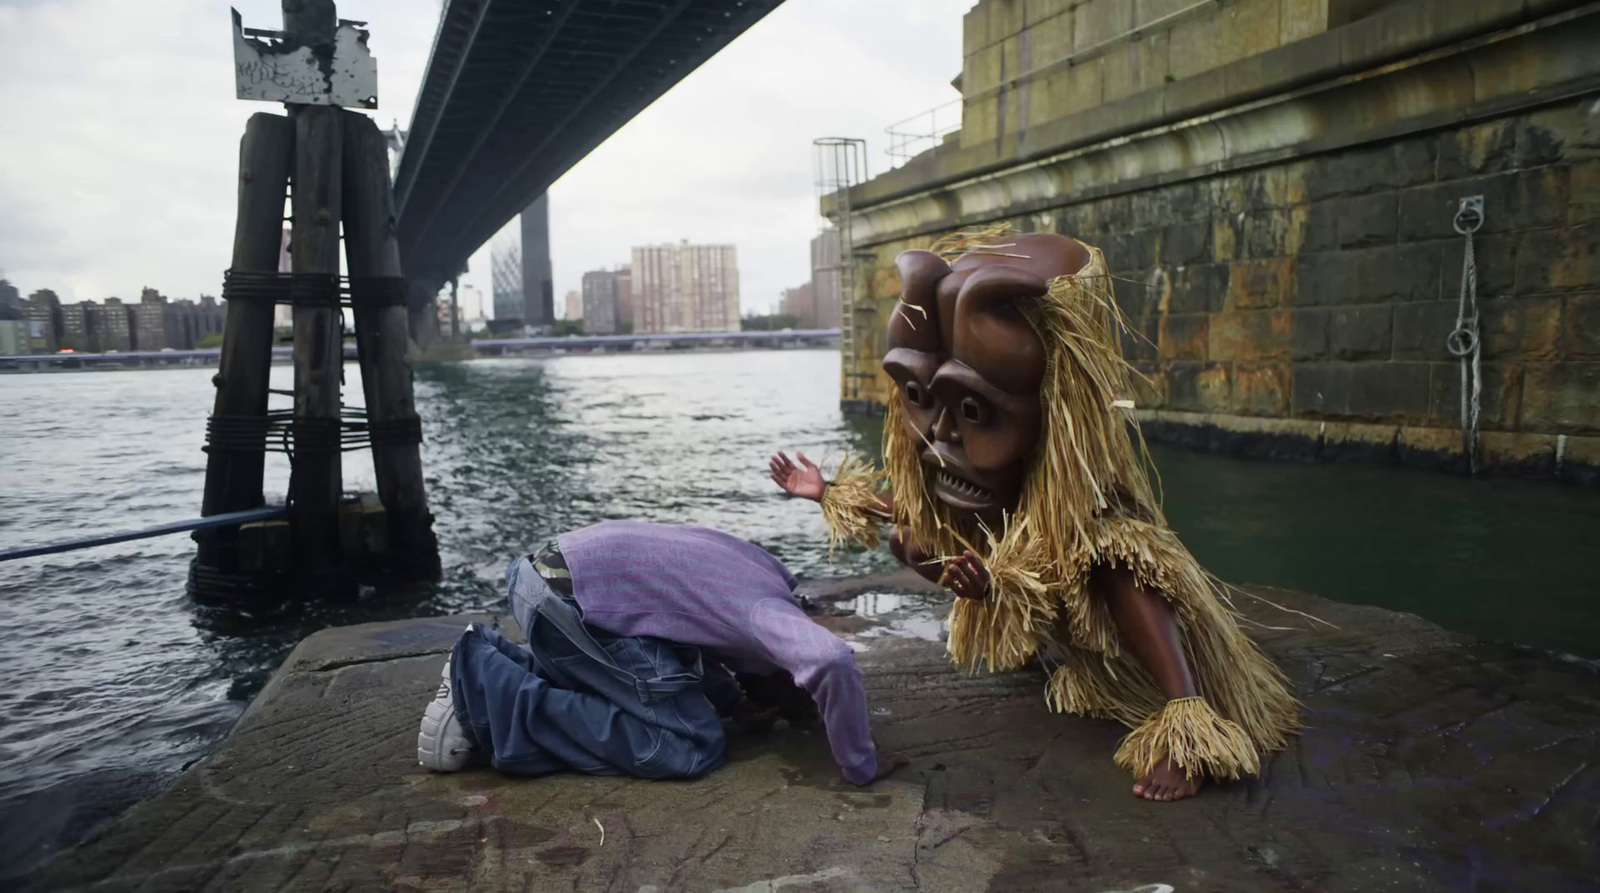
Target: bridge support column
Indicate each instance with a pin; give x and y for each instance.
(423, 306)
(383, 345)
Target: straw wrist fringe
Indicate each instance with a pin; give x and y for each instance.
(851, 506)
(1004, 631)
(1197, 740)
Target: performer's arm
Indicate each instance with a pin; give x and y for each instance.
(915, 557)
(804, 479)
(823, 665)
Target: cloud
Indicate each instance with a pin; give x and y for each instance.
(118, 164)
(726, 155)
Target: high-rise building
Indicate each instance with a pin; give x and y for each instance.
(538, 283)
(154, 322)
(44, 321)
(13, 337)
(654, 278)
(572, 305)
(825, 285)
(12, 306)
(77, 326)
(686, 288)
(211, 315)
(625, 298)
(600, 301)
(185, 331)
(801, 304)
(115, 326)
(188, 322)
(505, 273)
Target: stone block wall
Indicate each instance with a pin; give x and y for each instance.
(1284, 249)
(1028, 62)
(1324, 289)
(1302, 308)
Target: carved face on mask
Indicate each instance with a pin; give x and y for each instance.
(968, 365)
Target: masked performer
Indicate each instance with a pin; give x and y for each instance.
(1013, 478)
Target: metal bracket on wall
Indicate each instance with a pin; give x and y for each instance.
(1463, 342)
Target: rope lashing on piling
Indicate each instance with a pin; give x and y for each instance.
(315, 289)
(280, 432)
(316, 436)
(1463, 342)
(406, 431)
(237, 433)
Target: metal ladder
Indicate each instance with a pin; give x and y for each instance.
(840, 164)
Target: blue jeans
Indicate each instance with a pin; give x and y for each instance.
(578, 699)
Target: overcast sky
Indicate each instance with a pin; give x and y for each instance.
(119, 137)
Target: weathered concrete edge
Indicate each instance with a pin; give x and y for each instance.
(1571, 458)
(342, 646)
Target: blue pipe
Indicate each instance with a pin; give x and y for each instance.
(226, 519)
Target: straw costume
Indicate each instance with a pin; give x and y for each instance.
(1086, 502)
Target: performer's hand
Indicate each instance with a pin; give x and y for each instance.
(966, 576)
(887, 764)
(803, 480)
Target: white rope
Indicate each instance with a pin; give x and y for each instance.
(1463, 341)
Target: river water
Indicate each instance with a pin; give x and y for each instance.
(114, 681)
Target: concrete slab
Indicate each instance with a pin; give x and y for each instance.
(1432, 762)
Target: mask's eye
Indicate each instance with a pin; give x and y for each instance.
(974, 411)
(915, 395)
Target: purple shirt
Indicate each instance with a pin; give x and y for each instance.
(702, 587)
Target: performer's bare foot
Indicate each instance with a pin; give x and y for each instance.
(1167, 783)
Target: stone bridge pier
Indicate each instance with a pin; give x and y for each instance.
(1275, 184)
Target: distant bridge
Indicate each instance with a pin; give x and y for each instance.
(517, 91)
(809, 337)
(495, 347)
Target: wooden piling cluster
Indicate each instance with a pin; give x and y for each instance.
(338, 164)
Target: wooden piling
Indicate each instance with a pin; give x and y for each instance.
(234, 477)
(315, 484)
(383, 344)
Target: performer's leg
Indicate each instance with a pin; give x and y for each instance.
(531, 726)
(1147, 626)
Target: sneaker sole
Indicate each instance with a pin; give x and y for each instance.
(430, 755)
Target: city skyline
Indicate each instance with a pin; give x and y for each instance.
(724, 157)
(154, 323)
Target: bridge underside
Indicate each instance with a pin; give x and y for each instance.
(517, 91)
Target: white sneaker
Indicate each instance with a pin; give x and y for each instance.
(442, 745)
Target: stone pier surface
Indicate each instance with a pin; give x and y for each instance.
(1429, 762)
